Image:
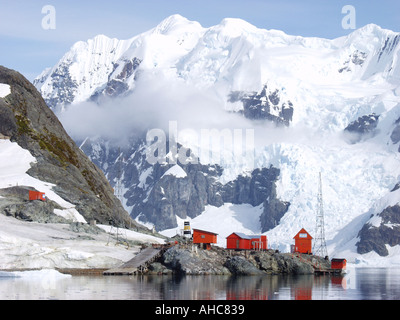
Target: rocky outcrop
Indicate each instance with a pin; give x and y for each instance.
(14, 202)
(187, 196)
(155, 195)
(194, 261)
(264, 105)
(395, 135)
(27, 120)
(357, 58)
(377, 237)
(362, 128)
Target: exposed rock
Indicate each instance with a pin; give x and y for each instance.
(157, 198)
(395, 136)
(264, 105)
(375, 238)
(26, 118)
(192, 260)
(80, 227)
(357, 58)
(363, 128)
(196, 262)
(241, 266)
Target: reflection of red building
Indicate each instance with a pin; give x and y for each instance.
(303, 293)
(303, 242)
(204, 237)
(247, 294)
(243, 241)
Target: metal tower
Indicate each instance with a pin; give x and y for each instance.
(118, 184)
(319, 248)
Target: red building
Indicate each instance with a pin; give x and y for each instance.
(35, 195)
(243, 241)
(303, 242)
(204, 237)
(338, 264)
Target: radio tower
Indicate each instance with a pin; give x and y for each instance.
(118, 184)
(319, 248)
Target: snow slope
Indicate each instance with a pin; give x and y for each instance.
(331, 83)
(14, 162)
(31, 245)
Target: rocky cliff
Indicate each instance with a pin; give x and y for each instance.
(26, 119)
(193, 261)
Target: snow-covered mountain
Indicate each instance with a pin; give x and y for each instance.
(313, 105)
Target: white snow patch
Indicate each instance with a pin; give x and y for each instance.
(31, 245)
(176, 171)
(130, 234)
(70, 214)
(5, 90)
(14, 163)
(225, 220)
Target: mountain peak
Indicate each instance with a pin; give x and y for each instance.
(174, 23)
(236, 26)
(373, 30)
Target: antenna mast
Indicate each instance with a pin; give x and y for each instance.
(319, 242)
(118, 184)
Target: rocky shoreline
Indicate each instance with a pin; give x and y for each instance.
(190, 260)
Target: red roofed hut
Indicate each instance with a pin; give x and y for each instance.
(303, 242)
(36, 195)
(338, 264)
(243, 241)
(204, 237)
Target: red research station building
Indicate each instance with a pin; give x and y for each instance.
(303, 242)
(243, 241)
(204, 237)
(339, 264)
(36, 195)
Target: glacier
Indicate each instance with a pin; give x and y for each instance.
(181, 71)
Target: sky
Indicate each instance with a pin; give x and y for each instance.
(29, 48)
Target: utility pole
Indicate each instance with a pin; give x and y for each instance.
(319, 248)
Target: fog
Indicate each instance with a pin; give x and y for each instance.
(156, 102)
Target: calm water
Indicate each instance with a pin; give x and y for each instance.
(358, 284)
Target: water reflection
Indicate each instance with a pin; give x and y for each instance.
(359, 284)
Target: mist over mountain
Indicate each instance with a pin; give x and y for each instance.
(293, 106)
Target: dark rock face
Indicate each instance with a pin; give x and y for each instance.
(395, 136)
(192, 260)
(157, 198)
(356, 58)
(264, 105)
(363, 128)
(14, 202)
(376, 238)
(187, 261)
(27, 120)
(241, 266)
(116, 85)
(63, 82)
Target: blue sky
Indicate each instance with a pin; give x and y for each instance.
(28, 48)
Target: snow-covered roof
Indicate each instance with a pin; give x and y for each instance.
(246, 236)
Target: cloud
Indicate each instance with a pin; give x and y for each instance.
(154, 103)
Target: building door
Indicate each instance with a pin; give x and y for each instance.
(237, 244)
